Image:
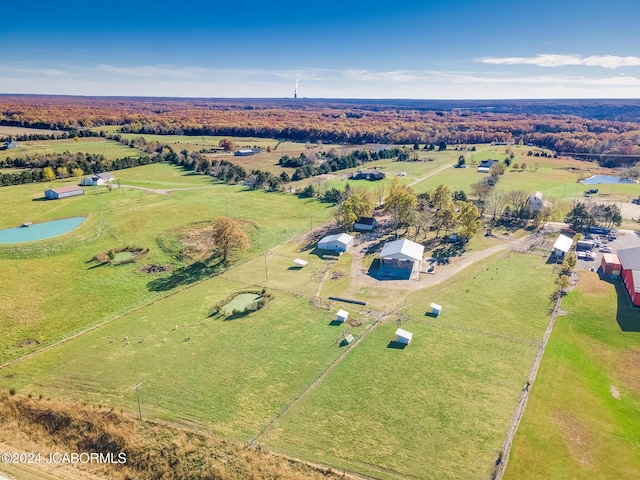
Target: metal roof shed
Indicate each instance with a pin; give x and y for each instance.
(403, 250)
(299, 262)
(562, 245)
(342, 316)
(435, 309)
(340, 242)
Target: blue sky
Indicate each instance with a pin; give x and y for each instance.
(349, 49)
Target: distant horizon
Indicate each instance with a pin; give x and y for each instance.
(496, 49)
(355, 99)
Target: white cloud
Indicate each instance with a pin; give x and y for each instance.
(197, 81)
(554, 60)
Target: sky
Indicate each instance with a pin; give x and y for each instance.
(430, 49)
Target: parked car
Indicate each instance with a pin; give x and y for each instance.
(589, 256)
(605, 249)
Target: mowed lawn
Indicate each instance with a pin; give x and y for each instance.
(441, 407)
(583, 417)
(232, 376)
(52, 289)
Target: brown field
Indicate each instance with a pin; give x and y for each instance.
(15, 131)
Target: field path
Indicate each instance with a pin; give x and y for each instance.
(431, 174)
(167, 191)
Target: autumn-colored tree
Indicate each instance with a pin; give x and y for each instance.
(563, 282)
(227, 144)
(228, 236)
(401, 202)
(358, 204)
(62, 172)
(468, 220)
(48, 174)
(77, 172)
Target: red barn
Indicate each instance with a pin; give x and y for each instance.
(630, 262)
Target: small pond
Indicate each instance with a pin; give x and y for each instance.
(123, 256)
(240, 302)
(40, 231)
(606, 179)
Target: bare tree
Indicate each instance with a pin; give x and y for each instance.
(496, 203)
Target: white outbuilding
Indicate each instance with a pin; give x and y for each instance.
(402, 336)
(300, 263)
(401, 259)
(435, 309)
(342, 316)
(340, 242)
(562, 246)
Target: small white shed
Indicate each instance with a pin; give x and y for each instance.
(435, 309)
(347, 340)
(562, 246)
(402, 336)
(299, 262)
(342, 316)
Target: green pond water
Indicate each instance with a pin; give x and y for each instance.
(240, 302)
(40, 231)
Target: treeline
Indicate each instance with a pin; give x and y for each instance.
(309, 165)
(41, 168)
(608, 141)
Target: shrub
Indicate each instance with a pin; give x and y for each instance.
(12, 391)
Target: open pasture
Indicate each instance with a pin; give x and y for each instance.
(52, 288)
(391, 412)
(230, 374)
(583, 414)
(95, 146)
(8, 131)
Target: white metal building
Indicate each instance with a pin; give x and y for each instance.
(340, 242)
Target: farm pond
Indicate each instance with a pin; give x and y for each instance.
(39, 231)
(606, 180)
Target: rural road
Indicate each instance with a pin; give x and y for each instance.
(167, 191)
(418, 180)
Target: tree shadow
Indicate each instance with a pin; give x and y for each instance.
(397, 345)
(444, 252)
(187, 275)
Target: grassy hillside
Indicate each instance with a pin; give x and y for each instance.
(583, 416)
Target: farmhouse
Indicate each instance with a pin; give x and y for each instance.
(62, 192)
(367, 175)
(97, 179)
(401, 259)
(630, 272)
(9, 144)
(487, 163)
(611, 265)
(562, 246)
(402, 336)
(340, 242)
(365, 224)
(536, 202)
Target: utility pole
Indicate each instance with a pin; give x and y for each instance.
(266, 270)
(136, 388)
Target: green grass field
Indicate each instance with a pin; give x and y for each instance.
(439, 408)
(52, 289)
(583, 416)
(96, 146)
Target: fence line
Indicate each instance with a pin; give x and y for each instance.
(503, 456)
